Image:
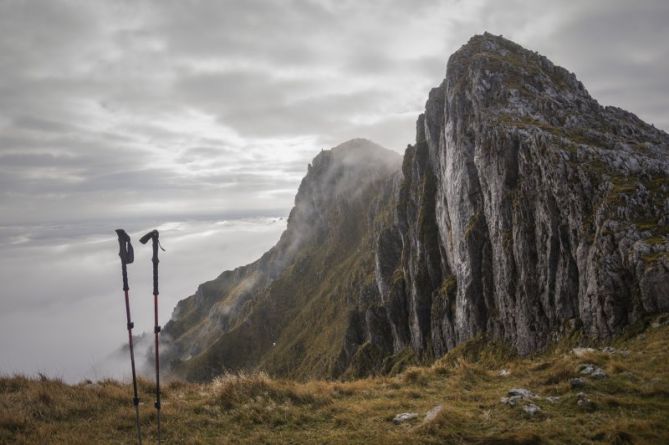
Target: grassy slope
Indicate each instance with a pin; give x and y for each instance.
(632, 405)
(310, 292)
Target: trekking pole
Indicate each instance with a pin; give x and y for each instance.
(127, 256)
(153, 236)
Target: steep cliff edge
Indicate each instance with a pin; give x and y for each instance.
(524, 211)
(527, 209)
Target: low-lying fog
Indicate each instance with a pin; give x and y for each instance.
(61, 301)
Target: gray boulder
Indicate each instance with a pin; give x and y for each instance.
(521, 392)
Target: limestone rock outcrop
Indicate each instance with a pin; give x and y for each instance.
(527, 208)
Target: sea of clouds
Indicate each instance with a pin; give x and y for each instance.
(61, 301)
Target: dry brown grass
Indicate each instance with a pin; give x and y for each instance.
(631, 406)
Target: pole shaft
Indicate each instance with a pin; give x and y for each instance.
(157, 332)
(135, 400)
(139, 434)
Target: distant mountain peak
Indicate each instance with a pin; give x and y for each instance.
(360, 152)
(359, 144)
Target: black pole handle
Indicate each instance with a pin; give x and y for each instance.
(126, 253)
(153, 236)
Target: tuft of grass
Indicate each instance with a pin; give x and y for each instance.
(233, 390)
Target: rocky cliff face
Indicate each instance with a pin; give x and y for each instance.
(527, 209)
(524, 210)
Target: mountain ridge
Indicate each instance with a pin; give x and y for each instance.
(334, 211)
(524, 211)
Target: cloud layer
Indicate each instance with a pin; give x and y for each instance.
(163, 108)
(62, 309)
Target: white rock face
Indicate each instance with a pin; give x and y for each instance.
(527, 210)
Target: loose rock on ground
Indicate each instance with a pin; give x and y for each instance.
(404, 417)
(433, 413)
(531, 409)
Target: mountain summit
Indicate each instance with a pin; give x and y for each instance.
(524, 211)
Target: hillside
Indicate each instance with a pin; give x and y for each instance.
(628, 405)
(295, 310)
(524, 212)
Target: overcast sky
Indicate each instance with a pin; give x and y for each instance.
(143, 108)
(181, 114)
